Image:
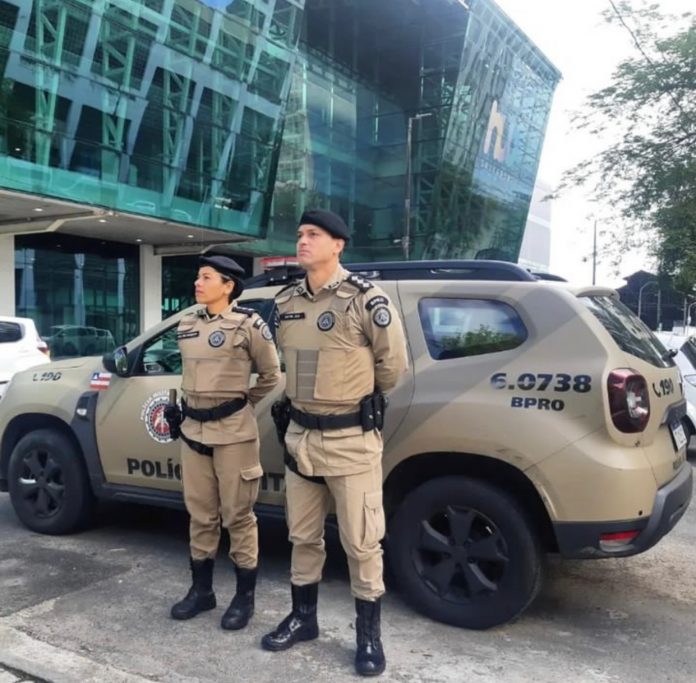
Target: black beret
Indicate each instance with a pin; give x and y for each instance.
(225, 266)
(331, 222)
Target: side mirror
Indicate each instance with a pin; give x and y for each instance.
(117, 361)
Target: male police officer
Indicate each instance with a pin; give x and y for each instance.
(343, 345)
(220, 449)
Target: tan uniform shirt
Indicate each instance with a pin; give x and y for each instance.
(217, 354)
(338, 344)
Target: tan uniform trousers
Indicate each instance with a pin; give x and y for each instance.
(224, 485)
(358, 499)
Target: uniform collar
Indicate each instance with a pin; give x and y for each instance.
(334, 282)
(225, 313)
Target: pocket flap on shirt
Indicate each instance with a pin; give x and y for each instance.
(254, 472)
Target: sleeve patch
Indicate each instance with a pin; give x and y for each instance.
(376, 301)
(382, 317)
(258, 323)
(266, 333)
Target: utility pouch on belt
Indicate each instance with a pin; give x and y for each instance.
(280, 412)
(372, 410)
(173, 416)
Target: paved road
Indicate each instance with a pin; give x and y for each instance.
(94, 606)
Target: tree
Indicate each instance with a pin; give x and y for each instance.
(649, 173)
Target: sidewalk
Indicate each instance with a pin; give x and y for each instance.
(25, 659)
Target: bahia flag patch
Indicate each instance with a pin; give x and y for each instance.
(100, 380)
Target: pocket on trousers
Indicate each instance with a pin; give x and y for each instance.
(373, 512)
(250, 480)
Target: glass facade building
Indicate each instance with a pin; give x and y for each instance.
(229, 117)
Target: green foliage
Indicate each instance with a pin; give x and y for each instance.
(483, 340)
(649, 173)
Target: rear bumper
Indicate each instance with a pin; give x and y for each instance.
(582, 539)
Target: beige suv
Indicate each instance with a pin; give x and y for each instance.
(535, 418)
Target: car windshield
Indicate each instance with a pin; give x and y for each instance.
(630, 333)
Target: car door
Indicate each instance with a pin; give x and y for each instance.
(133, 437)
(132, 434)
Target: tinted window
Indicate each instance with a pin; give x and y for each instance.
(689, 350)
(161, 355)
(10, 332)
(630, 333)
(455, 328)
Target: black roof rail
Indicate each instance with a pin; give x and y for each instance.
(547, 276)
(410, 270)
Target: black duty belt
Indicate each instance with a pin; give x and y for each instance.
(217, 413)
(197, 446)
(322, 422)
(291, 464)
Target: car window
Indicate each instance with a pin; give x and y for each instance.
(10, 332)
(455, 328)
(689, 350)
(161, 354)
(629, 332)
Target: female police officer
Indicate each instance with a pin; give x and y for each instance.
(220, 449)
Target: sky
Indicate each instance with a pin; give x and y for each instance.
(575, 37)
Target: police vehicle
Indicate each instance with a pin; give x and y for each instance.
(535, 418)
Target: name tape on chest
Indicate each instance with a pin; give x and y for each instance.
(292, 316)
(188, 335)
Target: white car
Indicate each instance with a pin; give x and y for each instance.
(21, 347)
(685, 358)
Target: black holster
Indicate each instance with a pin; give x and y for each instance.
(280, 412)
(372, 409)
(174, 418)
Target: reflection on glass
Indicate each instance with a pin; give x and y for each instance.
(86, 300)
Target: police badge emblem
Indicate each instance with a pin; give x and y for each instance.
(216, 338)
(326, 321)
(381, 316)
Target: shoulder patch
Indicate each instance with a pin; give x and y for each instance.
(360, 282)
(243, 309)
(376, 301)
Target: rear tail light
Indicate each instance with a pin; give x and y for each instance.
(617, 540)
(629, 400)
(43, 347)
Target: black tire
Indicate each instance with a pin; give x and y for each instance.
(48, 483)
(464, 553)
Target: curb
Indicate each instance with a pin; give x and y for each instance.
(38, 659)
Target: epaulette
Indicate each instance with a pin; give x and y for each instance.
(359, 281)
(285, 294)
(198, 313)
(243, 309)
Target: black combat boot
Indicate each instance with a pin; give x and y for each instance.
(369, 658)
(200, 596)
(300, 624)
(241, 608)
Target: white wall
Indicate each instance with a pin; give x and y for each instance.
(150, 287)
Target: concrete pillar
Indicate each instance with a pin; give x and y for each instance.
(7, 275)
(150, 287)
